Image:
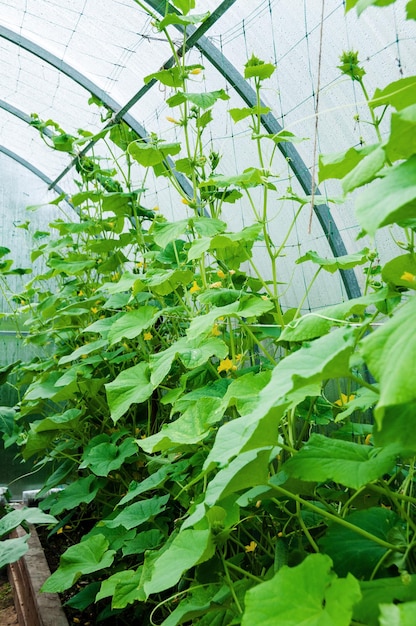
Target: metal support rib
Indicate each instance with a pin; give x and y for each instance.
(122, 113)
(32, 168)
(272, 126)
(91, 87)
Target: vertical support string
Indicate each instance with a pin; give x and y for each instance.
(315, 139)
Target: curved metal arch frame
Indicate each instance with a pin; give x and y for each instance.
(235, 79)
(272, 126)
(75, 75)
(34, 170)
(22, 161)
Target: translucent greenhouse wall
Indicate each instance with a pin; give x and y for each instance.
(19, 188)
(304, 44)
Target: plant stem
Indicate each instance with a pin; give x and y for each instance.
(244, 572)
(230, 584)
(338, 520)
(259, 343)
(305, 529)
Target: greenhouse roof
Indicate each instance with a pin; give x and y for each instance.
(55, 55)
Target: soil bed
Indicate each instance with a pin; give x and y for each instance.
(8, 615)
(100, 613)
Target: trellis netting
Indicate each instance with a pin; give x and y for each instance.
(54, 55)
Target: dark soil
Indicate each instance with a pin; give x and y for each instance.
(53, 547)
(97, 613)
(8, 615)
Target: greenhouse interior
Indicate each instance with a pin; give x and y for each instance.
(208, 308)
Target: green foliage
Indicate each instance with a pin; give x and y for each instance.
(12, 549)
(357, 553)
(222, 454)
(364, 4)
(388, 200)
(379, 592)
(91, 555)
(344, 462)
(325, 599)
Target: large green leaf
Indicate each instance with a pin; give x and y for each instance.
(241, 114)
(106, 457)
(83, 350)
(171, 77)
(318, 323)
(119, 203)
(344, 262)
(163, 281)
(382, 591)
(308, 595)
(248, 469)
(243, 391)
(322, 459)
(340, 164)
(165, 232)
(62, 421)
(198, 247)
(402, 140)
(411, 10)
(37, 443)
(206, 601)
(44, 387)
(251, 177)
(146, 540)
(188, 548)
(207, 226)
(192, 351)
(11, 550)
(131, 324)
(138, 513)
(401, 271)
(131, 386)
(203, 100)
(254, 68)
(389, 199)
(399, 94)
(32, 515)
(365, 170)
(231, 248)
(117, 537)
(125, 283)
(184, 5)
(397, 424)
(247, 306)
(124, 588)
(398, 615)
(82, 490)
(352, 552)
(148, 155)
(91, 555)
(156, 479)
(190, 428)
(70, 265)
(151, 482)
(390, 354)
(295, 377)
